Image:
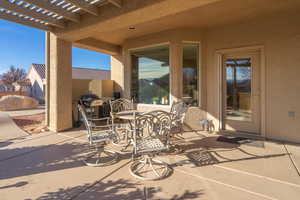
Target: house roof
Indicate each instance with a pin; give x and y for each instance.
(40, 69)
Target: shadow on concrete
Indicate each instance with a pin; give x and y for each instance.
(35, 160)
(117, 189)
(8, 142)
(19, 184)
(5, 143)
(208, 151)
(45, 158)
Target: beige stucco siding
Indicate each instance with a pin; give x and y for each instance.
(85, 73)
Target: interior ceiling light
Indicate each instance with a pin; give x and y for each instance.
(131, 28)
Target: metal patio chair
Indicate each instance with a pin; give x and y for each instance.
(98, 137)
(178, 112)
(151, 136)
(121, 127)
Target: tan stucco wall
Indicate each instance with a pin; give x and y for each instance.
(117, 72)
(280, 36)
(85, 73)
(60, 87)
(102, 88)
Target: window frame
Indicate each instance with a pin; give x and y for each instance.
(168, 44)
(199, 71)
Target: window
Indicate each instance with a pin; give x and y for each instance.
(150, 83)
(190, 74)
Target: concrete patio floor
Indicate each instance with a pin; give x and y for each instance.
(49, 166)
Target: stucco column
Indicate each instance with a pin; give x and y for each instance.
(60, 98)
(47, 92)
(176, 70)
(118, 74)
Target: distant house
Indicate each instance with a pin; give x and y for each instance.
(5, 88)
(36, 75)
(23, 86)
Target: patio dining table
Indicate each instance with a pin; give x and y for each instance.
(129, 116)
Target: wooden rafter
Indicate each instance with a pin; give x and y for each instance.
(55, 9)
(26, 22)
(84, 6)
(31, 13)
(117, 3)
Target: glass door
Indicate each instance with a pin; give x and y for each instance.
(241, 93)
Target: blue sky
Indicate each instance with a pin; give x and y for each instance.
(21, 46)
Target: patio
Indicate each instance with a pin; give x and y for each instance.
(226, 59)
(32, 167)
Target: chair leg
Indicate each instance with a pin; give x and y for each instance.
(173, 150)
(96, 158)
(122, 138)
(148, 168)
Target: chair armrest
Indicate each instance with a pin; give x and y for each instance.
(106, 127)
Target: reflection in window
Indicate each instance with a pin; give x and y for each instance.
(190, 74)
(150, 75)
(238, 82)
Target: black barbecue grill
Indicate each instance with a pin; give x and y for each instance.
(87, 99)
(103, 109)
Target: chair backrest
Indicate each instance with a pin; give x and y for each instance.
(178, 111)
(153, 124)
(122, 104)
(85, 120)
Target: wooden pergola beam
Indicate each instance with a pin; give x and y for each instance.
(117, 3)
(84, 6)
(31, 13)
(26, 22)
(55, 9)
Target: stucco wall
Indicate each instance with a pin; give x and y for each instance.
(280, 36)
(85, 73)
(102, 88)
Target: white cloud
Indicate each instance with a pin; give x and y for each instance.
(2, 70)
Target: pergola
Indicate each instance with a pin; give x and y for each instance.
(50, 15)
